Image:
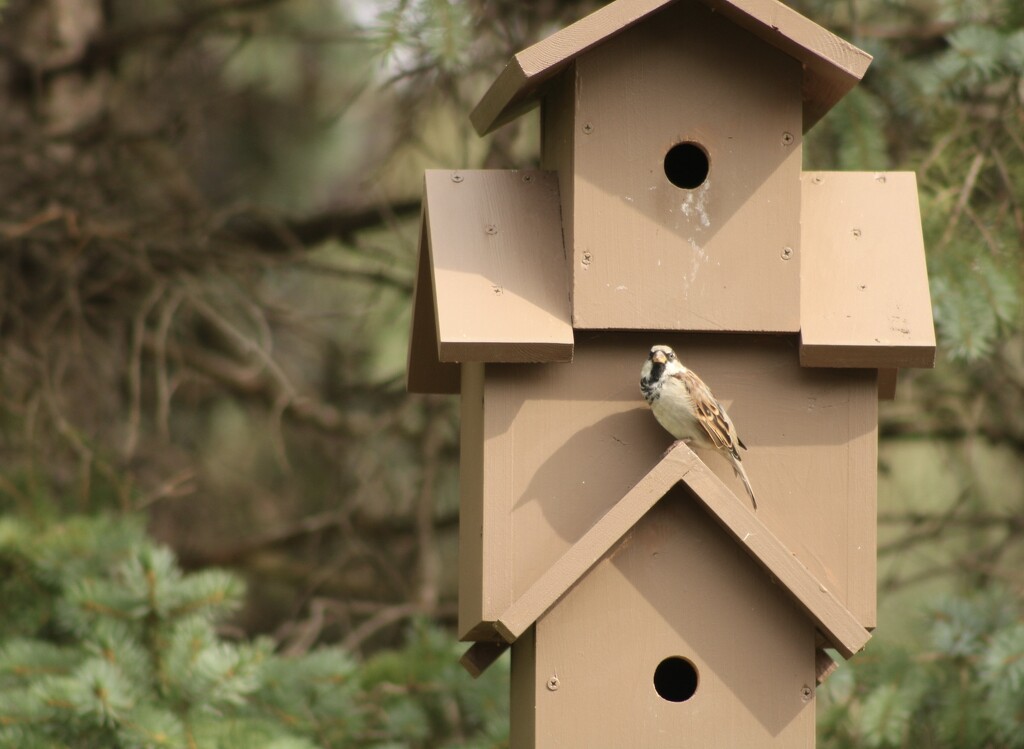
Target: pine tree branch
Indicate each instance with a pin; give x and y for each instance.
(280, 235)
(252, 381)
(932, 31)
(981, 520)
(365, 527)
(951, 433)
(384, 618)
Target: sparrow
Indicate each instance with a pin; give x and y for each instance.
(685, 406)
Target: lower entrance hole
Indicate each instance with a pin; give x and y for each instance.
(675, 679)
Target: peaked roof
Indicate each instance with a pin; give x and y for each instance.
(832, 66)
(679, 465)
(490, 286)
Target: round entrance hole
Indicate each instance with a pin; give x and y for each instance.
(686, 165)
(675, 679)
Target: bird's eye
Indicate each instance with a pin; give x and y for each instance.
(672, 356)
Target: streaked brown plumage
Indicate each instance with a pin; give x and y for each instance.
(688, 410)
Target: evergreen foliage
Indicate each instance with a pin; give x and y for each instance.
(210, 218)
(964, 688)
(950, 107)
(112, 645)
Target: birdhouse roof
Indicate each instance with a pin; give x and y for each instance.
(680, 465)
(832, 66)
(864, 298)
(492, 283)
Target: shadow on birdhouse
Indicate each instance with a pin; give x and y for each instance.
(641, 595)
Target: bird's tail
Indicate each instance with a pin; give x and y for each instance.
(738, 467)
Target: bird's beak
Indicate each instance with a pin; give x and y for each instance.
(658, 357)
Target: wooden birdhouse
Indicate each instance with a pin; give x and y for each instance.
(645, 602)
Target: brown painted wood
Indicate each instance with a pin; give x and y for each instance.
(647, 254)
(842, 629)
(864, 290)
(595, 543)
(832, 66)
(681, 464)
(824, 666)
(676, 586)
(523, 702)
(485, 571)
(473, 567)
(558, 133)
(887, 383)
(424, 372)
(498, 266)
(559, 445)
(481, 655)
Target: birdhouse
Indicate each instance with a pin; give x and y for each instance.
(643, 598)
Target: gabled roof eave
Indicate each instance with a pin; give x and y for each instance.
(832, 66)
(679, 465)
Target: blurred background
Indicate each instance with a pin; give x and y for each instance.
(224, 523)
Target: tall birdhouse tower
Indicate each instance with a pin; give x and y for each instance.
(645, 602)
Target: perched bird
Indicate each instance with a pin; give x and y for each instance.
(684, 405)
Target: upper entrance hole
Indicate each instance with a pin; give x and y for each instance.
(686, 165)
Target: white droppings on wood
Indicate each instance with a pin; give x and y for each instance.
(698, 258)
(695, 205)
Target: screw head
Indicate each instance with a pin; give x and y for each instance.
(857, 233)
(456, 177)
(787, 253)
(805, 693)
(553, 684)
(527, 178)
(491, 229)
(787, 138)
(817, 179)
(588, 128)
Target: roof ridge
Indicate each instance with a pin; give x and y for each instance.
(679, 465)
(832, 65)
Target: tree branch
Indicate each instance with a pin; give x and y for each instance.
(277, 235)
(365, 527)
(951, 433)
(106, 47)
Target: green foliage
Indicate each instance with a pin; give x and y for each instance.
(436, 32)
(856, 129)
(964, 688)
(948, 107)
(122, 649)
(975, 310)
(194, 322)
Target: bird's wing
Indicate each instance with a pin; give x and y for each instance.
(710, 414)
